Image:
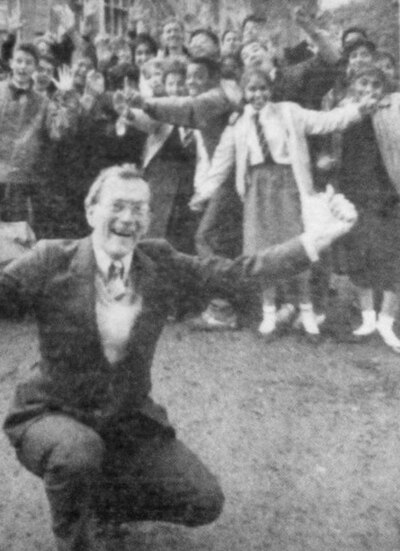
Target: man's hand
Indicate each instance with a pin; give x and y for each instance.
(65, 80)
(327, 216)
(197, 204)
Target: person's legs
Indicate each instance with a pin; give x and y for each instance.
(268, 325)
(159, 479)
(68, 456)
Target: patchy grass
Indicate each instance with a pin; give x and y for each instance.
(305, 440)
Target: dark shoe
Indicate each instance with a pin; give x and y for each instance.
(219, 316)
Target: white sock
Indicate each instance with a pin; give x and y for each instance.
(385, 329)
(308, 319)
(268, 323)
(368, 325)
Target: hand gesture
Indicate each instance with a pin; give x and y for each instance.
(196, 203)
(65, 80)
(368, 105)
(95, 84)
(14, 21)
(65, 18)
(328, 216)
(119, 102)
(103, 49)
(303, 18)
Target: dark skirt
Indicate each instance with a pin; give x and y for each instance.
(171, 185)
(272, 208)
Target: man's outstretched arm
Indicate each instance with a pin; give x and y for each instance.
(327, 216)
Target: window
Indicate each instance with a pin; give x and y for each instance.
(116, 15)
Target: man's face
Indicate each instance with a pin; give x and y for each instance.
(257, 92)
(173, 35)
(23, 66)
(121, 216)
(124, 56)
(175, 84)
(197, 79)
(43, 74)
(368, 86)
(202, 45)
(230, 44)
(155, 81)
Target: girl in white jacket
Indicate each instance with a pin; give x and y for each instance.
(268, 147)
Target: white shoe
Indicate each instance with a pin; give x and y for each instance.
(389, 337)
(365, 330)
(308, 322)
(268, 325)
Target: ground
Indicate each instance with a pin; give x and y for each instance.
(305, 440)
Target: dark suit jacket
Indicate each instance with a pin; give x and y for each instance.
(56, 281)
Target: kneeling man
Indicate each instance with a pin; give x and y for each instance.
(84, 421)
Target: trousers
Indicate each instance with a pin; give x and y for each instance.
(116, 477)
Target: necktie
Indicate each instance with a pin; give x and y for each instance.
(262, 140)
(187, 137)
(115, 282)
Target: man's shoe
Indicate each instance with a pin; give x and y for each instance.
(219, 316)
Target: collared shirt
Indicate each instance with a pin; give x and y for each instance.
(275, 135)
(115, 318)
(18, 92)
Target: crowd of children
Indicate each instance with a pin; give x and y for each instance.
(222, 128)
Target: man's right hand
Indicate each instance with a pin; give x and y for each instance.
(327, 217)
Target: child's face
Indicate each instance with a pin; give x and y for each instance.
(124, 55)
(257, 92)
(197, 79)
(358, 57)
(142, 54)
(23, 66)
(367, 86)
(385, 64)
(202, 45)
(156, 82)
(81, 69)
(173, 35)
(43, 74)
(175, 84)
(230, 44)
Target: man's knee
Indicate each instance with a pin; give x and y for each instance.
(207, 507)
(61, 445)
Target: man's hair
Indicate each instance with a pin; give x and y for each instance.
(258, 72)
(208, 32)
(355, 29)
(175, 66)
(28, 48)
(253, 18)
(213, 67)
(123, 172)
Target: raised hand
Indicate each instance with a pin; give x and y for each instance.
(65, 81)
(65, 18)
(103, 49)
(14, 20)
(95, 83)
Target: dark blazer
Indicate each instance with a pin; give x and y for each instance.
(56, 281)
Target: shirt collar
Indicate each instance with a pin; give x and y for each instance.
(104, 261)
